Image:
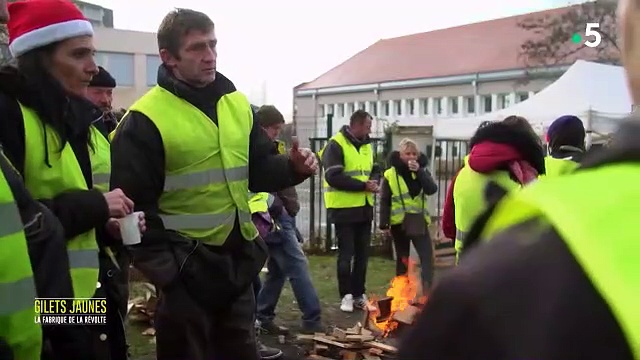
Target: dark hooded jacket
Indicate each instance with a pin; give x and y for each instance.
(423, 182)
(213, 275)
(497, 147)
(523, 295)
(78, 211)
(333, 164)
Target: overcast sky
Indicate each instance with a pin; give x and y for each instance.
(286, 42)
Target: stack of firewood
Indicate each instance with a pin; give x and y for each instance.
(355, 343)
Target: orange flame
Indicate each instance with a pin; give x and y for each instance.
(405, 290)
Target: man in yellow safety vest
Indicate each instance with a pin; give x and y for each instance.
(349, 187)
(557, 277)
(188, 152)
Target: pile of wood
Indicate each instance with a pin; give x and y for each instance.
(356, 343)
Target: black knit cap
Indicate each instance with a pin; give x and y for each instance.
(268, 115)
(103, 79)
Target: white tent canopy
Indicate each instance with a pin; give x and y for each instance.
(596, 93)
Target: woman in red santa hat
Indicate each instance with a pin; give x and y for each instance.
(46, 133)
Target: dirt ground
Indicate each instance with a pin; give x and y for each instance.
(323, 271)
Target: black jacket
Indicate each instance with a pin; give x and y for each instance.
(523, 296)
(422, 183)
(138, 168)
(333, 165)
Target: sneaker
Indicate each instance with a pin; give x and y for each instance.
(347, 303)
(272, 328)
(268, 353)
(361, 302)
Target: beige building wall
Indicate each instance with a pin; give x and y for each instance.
(117, 50)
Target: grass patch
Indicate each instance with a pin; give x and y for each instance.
(323, 272)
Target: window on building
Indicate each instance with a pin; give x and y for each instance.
(470, 104)
(331, 108)
(487, 103)
(411, 107)
(424, 106)
(437, 106)
(321, 110)
(350, 109)
(361, 105)
(153, 63)
(397, 106)
(453, 105)
(385, 108)
(119, 65)
(504, 101)
(373, 108)
(454, 151)
(340, 110)
(522, 96)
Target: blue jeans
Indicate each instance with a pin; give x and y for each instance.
(287, 261)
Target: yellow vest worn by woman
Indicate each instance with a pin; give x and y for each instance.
(49, 172)
(401, 201)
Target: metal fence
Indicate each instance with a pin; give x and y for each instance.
(447, 156)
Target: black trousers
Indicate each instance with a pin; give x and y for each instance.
(353, 256)
(186, 331)
(424, 248)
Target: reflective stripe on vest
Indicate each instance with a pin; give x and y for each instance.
(358, 164)
(62, 174)
(206, 165)
(612, 266)
(17, 288)
(469, 196)
(401, 201)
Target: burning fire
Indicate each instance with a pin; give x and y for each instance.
(405, 291)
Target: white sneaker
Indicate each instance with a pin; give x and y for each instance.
(347, 303)
(361, 302)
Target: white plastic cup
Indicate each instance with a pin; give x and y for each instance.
(130, 230)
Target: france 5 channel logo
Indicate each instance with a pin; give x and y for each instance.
(591, 37)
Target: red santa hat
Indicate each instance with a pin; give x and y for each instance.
(37, 23)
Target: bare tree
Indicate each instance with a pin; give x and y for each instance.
(551, 36)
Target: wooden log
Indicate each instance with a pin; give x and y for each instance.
(406, 315)
(381, 346)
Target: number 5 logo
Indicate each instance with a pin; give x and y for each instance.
(591, 31)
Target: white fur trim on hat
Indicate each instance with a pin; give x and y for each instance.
(49, 35)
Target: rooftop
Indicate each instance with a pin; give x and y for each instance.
(481, 47)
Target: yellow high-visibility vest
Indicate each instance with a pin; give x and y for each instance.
(206, 165)
(555, 167)
(401, 201)
(611, 266)
(62, 174)
(260, 202)
(17, 287)
(469, 198)
(358, 164)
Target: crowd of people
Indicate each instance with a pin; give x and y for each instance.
(542, 268)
